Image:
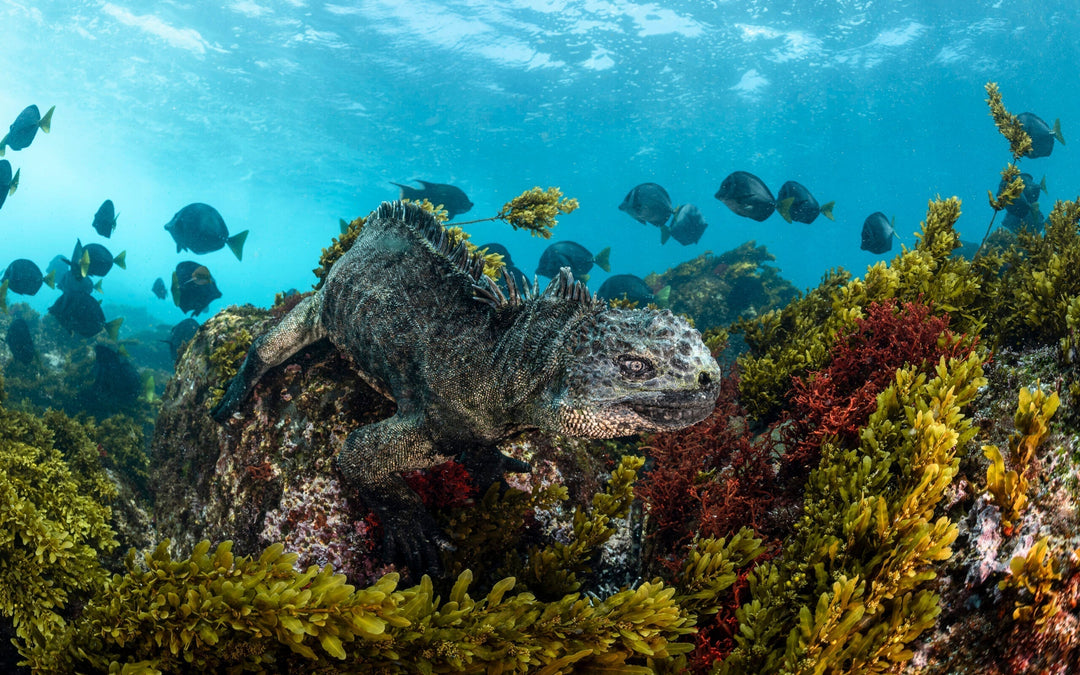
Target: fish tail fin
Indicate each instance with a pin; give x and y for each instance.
(84, 262)
(406, 190)
(1057, 132)
(783, 207)
(97, 286)
(14, 183)
(115, 220)
(236, 244)
(3, 296)
(113, 327)
(121, 260)
(3, 145)
(1042, 183)
(602, 259)
(50, 279)
(148, 389)
(175, 288)
(826, 210)
(342, 225)
(663, 295)
(46, 122)
(665, 234)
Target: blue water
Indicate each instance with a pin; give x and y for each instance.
(287, 115)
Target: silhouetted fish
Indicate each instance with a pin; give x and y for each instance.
(105, 219)
(159, 288)
(747, 196)
(22, 131)
(648, 203)
(95, 260)
(452, 198)
(181, 333)
(573, 255)
(193, 289)
(19, 341)
(116, 381)
(24, 277)
(78, 312)
(627, 286)
(8, 183)
(877, 233)
(1028, 198)
(794, 202)
(1032, 220)
(74, 282)
(494, 247)
(686, 227)
(1042, 136)
(199, 228)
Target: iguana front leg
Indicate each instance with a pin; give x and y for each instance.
(372, 461)
(300, 328)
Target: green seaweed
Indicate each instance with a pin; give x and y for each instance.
(847, 592)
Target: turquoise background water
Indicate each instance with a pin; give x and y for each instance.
(287, 115)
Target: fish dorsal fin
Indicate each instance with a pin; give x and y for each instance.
(424, 223)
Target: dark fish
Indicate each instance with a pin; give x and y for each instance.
(78, 312)
(794, 202)
(573, 255)
(22, 131)
(19, 341)
(1042, 136)
(193, 289)
(94, 260)
(626, 286)
(686, 227)
(747, 196)
(648, 203)
(877, 233)
(181, 333)
(159, 288)
(1028, 198)
(74, 282)
(1032, 220)
(24, 277)
(105, 219)
(116, 381)
(450, 197)
(8, 183)
(498, 248)
(199, 228)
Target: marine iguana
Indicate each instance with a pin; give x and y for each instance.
(469, 366)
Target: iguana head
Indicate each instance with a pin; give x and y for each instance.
(635, 370)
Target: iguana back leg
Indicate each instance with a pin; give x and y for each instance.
(372, 462)
(300, 328)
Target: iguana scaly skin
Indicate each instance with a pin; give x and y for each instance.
(470, 366)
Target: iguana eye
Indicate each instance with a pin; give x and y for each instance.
(635, 367)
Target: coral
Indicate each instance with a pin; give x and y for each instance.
(849, 589)
(53, 521)
(715, 290)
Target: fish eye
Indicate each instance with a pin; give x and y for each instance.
(635, 367)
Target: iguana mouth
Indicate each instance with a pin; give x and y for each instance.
(674, 409)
